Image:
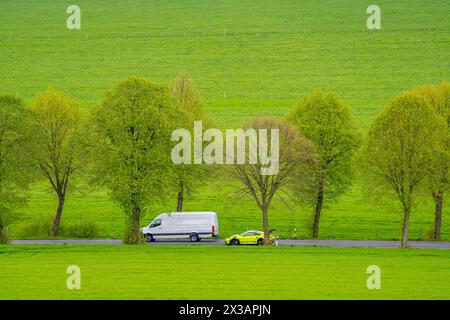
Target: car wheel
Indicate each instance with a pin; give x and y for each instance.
(194, 237)
(234, 242)
(149, 238)
(260, 242)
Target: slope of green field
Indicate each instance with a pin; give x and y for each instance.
(247, 58)
(214, 273)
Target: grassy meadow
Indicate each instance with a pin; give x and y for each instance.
(154, 272)
(247, 58)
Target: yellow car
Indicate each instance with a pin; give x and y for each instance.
(249, 237)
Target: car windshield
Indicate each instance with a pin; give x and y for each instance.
(155, 223)
(250, 233)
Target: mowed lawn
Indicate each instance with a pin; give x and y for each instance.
(198, 272)
(247, 58)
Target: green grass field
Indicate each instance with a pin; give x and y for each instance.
(193, 272)
(247, 58)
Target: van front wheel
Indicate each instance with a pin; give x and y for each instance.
(194, 237)
(149, 238)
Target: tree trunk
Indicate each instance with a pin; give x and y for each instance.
(265, 211)
(132, 237)
(317, 211)
(180, 198)
(438, 216)
(405, 228)
(136, 225)
(3, 234)
(57, 221)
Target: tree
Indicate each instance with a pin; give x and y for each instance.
(439, 179)
(328, 123)
(60, 120)
(16, 165)
(189, 177)
(294, 152)
(132, 128)
(188, 97)
(397, 155)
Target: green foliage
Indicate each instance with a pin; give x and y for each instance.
(438, 97)
(42, 227)
(397, 156)
(60, 143)
(16, 146)
(188, 97)
(132, 130)
(60, 120)
(400, 146)
(328, 123)
(80, 229)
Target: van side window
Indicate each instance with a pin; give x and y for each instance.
(156, 223)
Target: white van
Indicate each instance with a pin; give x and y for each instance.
(182, 225)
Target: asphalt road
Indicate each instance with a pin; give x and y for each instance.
(322, 243)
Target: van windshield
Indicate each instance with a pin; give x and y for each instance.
(156, 223)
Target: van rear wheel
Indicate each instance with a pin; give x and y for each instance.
(194, 237)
